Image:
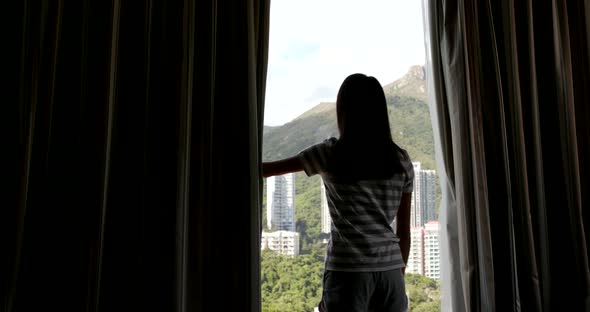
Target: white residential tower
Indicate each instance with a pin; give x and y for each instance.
(280, 202)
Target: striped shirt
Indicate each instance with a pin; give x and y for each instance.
(362, 237)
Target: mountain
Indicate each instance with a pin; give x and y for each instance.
(412, 84)
(408, 114)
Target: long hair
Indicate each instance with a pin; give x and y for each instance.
(365, 149)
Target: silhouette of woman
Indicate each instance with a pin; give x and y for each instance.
(369, 182)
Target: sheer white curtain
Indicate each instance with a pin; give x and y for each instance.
(451, 281)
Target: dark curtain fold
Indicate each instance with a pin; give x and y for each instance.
(510, 105)
(133, 149)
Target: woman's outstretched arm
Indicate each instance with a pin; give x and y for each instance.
(403, 226)
(279, 167)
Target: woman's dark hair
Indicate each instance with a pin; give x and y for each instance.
(365, 149)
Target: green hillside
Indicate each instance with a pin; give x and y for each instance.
(408, 114)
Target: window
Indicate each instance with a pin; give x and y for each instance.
(313, 46)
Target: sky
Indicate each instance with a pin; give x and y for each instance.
(315, 44)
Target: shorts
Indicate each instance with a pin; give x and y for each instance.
(364, 292)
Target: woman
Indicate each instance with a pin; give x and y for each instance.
(369, 181)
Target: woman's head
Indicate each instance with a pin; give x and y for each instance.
(362, 110)
(365, 149)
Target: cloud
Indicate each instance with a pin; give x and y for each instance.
(298, 51)
(321, 93)
(315, 44)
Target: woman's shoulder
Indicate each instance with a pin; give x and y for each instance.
(403, 155)
(328, 145)
(406, 162)
(331, 141)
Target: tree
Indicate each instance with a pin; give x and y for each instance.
(291, 283)
(433, 306)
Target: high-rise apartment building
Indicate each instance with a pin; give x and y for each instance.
(280, 202)
(424, 196)
(283, 242)
(416, 215)
(415, 263)
(432, 250)
(326, 220)
(424, 256)
(428, 189)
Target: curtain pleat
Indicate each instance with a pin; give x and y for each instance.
(509, 101)
(133, 149)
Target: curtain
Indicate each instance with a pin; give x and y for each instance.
(508, 82)
(132, 145)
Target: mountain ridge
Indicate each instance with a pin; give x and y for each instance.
(412, 84)
(408, 114)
